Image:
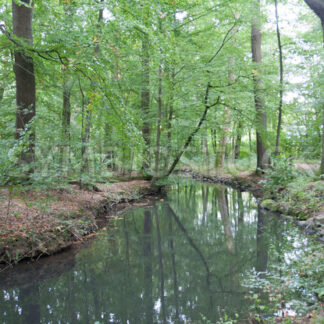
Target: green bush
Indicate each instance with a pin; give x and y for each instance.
(281, 173)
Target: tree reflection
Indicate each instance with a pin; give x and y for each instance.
(160, 263)
(30, 304)
(223, 208)
(261, 242)
(157, 264)
(147, 261)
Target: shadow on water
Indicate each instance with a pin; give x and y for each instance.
(180, 260)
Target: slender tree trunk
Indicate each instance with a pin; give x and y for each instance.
(237, 149)
(214, 140)
(194, 132)
(158, 127)
(66, 119)
(250, 141)
(25, 81)
(85, 140)
(261, 117)
(221, 148)
(318, 7)
(280, 81)
(86, 115)
(1, 93)
(67, 87)
(221, 153)
(169, 124)
(110, 155)
(322, 159)
(146, 102)
(100, 17)
(206, 149)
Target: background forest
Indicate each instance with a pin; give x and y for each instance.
(131, 85)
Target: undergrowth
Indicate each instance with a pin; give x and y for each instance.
(301, 194)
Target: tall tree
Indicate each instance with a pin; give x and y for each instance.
(158, 127)
(237, 148)
(145, 96)
(86, 109)
(280, 80)
(68, 83)
(318, 7)
(261, 116)
(22, 16)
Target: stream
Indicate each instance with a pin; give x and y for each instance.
(202, 254)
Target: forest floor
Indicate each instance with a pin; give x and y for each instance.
(36, 222)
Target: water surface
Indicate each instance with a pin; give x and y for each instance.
(183, 259)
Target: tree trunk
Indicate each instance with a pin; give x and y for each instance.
(158, 127)
(146, 102)
(221, 148)
(66, 119)
(237, 149)
(318, 7)
(280, 81)
(67, 87)
(261, 117)
(221, 153)
(25, 81)
(322, 160)
(169, 122)
(194, 132)
(206, 148)
(86, 115)
(214, 139)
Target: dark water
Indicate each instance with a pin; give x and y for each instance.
(181, 260)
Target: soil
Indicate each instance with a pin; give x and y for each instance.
(39, 222)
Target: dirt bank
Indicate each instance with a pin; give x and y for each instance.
(37, 222)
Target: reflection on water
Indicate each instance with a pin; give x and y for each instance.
(181, 260)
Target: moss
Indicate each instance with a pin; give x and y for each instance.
(270, 204)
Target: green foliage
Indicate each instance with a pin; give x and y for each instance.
(304, 197)
(301, 280)
(101, 63)
(279, 176)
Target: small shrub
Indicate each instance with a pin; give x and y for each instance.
(279, 176)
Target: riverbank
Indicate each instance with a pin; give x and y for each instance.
(40, 222)
(311, 269)
(305, 206)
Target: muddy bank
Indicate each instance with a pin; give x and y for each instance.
(35, 223)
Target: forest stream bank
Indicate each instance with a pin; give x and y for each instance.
(305, 207)
(40, 222)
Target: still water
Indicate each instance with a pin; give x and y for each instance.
(185, 258)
